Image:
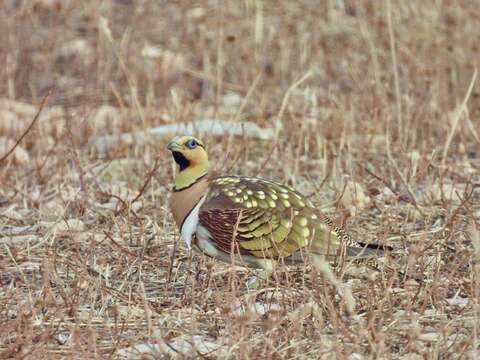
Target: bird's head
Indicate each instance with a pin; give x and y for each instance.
(192, 160)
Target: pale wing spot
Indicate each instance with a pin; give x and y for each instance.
(285, 222)
(302, 221)
(286, 203)
(306, 232)
(283, 196)
(273, 196)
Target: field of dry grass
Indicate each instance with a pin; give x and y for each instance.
(371, 108)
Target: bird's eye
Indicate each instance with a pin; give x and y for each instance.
(191, 144)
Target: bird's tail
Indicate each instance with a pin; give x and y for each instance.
(362, 250)
(346, 248)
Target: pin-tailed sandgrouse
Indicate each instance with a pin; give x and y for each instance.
(252, 221)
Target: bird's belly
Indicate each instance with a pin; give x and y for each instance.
(205, 244)
(190, 224)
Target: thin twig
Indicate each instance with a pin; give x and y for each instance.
(237, 158)
(149, 177)
(172, 261)
(457, 116)
(399, 172)
(267, 159)
(379, 178)
(463, 202)
(123, 248)
(142, 189)
(398, 98)
(35, 118)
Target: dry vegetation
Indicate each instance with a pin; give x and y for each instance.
(376, 117)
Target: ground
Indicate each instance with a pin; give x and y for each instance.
(370, 108)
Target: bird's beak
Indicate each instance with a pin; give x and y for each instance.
(173, 146)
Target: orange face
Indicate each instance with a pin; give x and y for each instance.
(188, 152)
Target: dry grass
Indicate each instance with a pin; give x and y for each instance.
(373, 100)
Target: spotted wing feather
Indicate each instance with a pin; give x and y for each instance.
(261, 218)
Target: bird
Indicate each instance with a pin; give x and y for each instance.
(250, 221)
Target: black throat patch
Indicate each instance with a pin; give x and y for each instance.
(181, 160)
